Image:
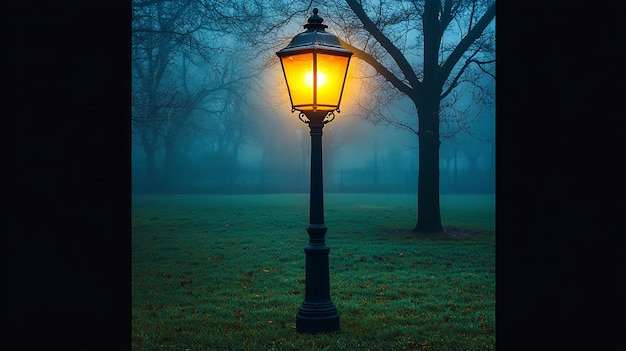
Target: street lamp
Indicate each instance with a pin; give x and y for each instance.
(315, 66)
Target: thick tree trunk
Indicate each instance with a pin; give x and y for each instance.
(428, 209)
(427, 103)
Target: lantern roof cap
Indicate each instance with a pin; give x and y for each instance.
(315, 37)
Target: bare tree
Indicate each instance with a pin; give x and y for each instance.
(432, 52)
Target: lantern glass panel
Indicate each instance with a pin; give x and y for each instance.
(331, 73)
(297, 69)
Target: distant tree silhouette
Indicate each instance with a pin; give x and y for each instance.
(182, 67)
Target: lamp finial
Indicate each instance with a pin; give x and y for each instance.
(315, 19)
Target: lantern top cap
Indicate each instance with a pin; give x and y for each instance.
(315, 21)
(315, 38)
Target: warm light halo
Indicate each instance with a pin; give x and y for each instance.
(323, 93)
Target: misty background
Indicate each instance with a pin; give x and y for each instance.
(211, 113)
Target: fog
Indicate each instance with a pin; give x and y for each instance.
(221, 122)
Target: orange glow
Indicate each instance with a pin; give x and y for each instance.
(322, 94)
(321, 79)
(335, 68)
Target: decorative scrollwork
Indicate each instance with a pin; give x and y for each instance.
(302, 117)
(330, 114)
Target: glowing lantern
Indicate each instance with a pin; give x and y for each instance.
(315, 66)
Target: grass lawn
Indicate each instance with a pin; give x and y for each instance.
(226, 272)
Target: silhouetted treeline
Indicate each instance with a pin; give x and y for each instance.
(463, 169)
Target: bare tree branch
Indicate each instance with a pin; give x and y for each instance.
(382, 70)
(395, 53)
(465, 43)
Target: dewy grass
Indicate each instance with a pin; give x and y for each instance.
(226, 272)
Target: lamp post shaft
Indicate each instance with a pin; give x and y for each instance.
(317, 314)
(316, 203)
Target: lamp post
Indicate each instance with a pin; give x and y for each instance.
(315, 66)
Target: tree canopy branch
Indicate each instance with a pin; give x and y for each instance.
(395, 53)
(382, 70)
(465, 43)
(455, 81)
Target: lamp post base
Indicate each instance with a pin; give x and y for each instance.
(317, 318)
(317, 313)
